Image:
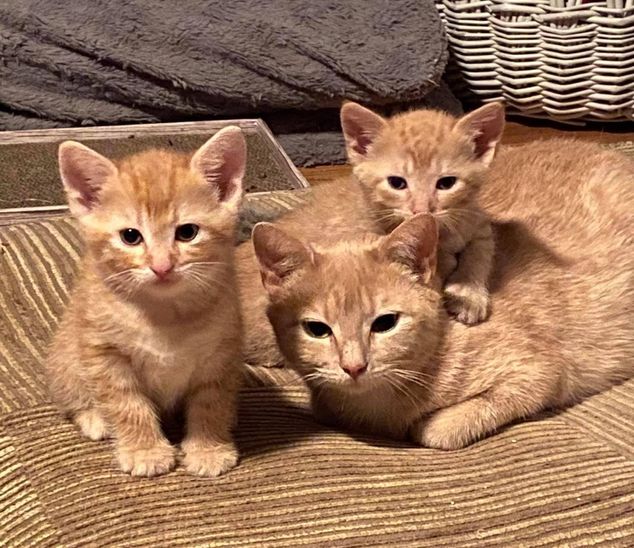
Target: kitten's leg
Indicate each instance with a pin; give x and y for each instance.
(466, 293)
(211, 409)
(447, 263)
(468, 421)
(92, 424)
(141, 447)
(69, 390)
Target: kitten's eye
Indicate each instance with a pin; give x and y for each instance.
(187, 232)
(397, 183)
(131, 236)
(318, 330)
(445, 183)
(384, 323)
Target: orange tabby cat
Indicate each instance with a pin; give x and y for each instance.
(426, 161)
(362, 320)
(153, 323)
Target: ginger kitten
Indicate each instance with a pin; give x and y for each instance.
(362, 320)
(426, 161)
(153, 325)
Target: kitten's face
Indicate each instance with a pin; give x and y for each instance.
(422, 161)
(158, 224)
(357, 315)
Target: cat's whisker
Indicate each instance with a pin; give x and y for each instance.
(194, 264)
(448, 222)
(400, 388)
(411, 372)
(116, 275)
(467, 210)
(432, 381)
(418, 382)
(206, 281)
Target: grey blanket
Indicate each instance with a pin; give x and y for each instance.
(131, 61)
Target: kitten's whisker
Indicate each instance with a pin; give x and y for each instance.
(116, 275)
(187, 266)
(208, 282)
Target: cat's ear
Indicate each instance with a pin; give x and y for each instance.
(221, 162)
(360, 127)
(485, 127)
(414, 243)
(279, 255)
(84, 172)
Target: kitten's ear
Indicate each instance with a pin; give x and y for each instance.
(414, 243)
(83, 172)
(221, 162)
(279, 254)
(360, 127)
(485, 126)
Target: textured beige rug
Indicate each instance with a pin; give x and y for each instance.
(563, 480)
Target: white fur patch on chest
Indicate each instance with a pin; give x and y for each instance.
(164, 363)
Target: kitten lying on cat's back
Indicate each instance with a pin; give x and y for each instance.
(427, 161)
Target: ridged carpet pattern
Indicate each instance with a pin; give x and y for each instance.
(563, 479)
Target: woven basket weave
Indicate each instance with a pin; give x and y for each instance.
(556, 59)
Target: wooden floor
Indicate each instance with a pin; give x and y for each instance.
(516, 133)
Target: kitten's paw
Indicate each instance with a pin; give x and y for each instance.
(92, 425)
(153, 461)
(209, 460)
(469, 305)
(447, 429)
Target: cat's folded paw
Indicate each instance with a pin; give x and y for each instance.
(469, 304)
(92, 425)
(152, 461)
(209, 460)
(445, 429)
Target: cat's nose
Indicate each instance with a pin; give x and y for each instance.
(355, 371)
(162, 269)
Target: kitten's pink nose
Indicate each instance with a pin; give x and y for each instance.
(428, 206)
(355, 371)
(162, 269)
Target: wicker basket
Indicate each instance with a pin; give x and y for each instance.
(557, 59)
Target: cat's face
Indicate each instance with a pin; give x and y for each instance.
(421, 161)
(158, 223)
(356, 315)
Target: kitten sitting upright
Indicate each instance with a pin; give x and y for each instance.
(153, 323)
(425, 161)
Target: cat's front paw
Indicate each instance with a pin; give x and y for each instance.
(152, 461)
(209, 460)
(469, 304)
(446, 429)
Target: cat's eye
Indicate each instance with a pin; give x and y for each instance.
(384, 322)
(317, 330)
(186, 232)
(397, 183)
(131, 236)
(445, 183)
